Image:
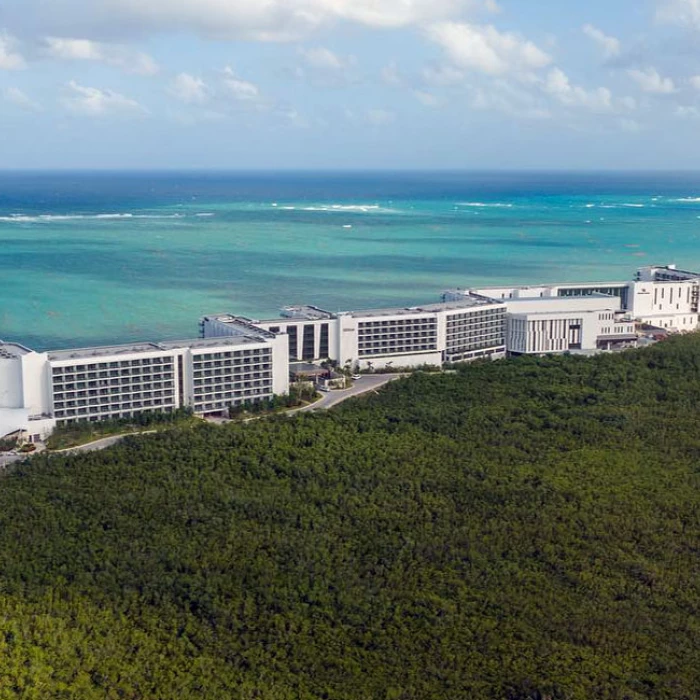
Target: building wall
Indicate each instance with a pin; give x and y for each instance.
(11, 395)
(566, 331)
(405, 361)
(323, 332)
(659, 273)
(554, 332)
(36, 383)
(116, 386)
(473, 333)
(544, 333)
(570, 305)
(229, 376)
(280, 365)
(666, 304)
(401, 339)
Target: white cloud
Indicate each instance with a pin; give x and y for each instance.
(189, 89)
(10, 59)
(373, 117)
(268, 20)
(380, 117)
(687, 112)
(485, 49)
(682, 12)
(599, 100)
(20, 99)
(630, 126)
(93, 102)
(195, 117)
(324, 59)
(293, 118)
(115, 55)
(219, 95)
(240, 90)
(325, 68)
(609, 44)
(650, 80)
(557, 85)
(501, 96)
(443, 75)
(426, 98)
(695, 82)
(391, 75)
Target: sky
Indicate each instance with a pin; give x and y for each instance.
(350, 84)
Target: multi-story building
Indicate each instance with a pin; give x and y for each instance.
(666, 297)
(96, 384)
(215, 374)
(41, 390)
(541, 321)
(470, 328)
(238, 360)
(25, 399)
(661, 296)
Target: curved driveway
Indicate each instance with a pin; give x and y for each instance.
(366, 383)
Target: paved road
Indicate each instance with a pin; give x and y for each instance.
(367, 383)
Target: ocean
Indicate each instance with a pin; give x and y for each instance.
(93, 258)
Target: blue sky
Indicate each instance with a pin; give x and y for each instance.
(242, 84)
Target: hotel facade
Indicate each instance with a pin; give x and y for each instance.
(39, 391)
(238, 360)
(470, 328)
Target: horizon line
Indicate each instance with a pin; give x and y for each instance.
(353, 170)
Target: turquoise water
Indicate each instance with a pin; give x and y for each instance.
(102, 258)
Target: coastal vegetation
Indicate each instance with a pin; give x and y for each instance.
(81, 433)
(519, 530)
(7, 444)
(297, 397)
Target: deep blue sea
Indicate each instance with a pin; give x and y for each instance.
(89, 258)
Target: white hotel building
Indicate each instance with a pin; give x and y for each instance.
(470, 328)
(237, 360)
(41, 390)
(595, 316)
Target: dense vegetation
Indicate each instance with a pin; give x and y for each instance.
(73, 434)
(296, 398)
(524, 529)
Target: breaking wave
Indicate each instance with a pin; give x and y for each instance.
(49, 218)
(486, 205)
(344, 208)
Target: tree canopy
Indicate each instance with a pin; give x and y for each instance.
(522, 529)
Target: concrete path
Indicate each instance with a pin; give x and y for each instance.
(101, 444)
(366, 383)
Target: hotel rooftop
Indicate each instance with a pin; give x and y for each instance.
(468, 302)
(108, 350)
(12, 351)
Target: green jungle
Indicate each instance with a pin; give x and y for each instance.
(522, 530)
